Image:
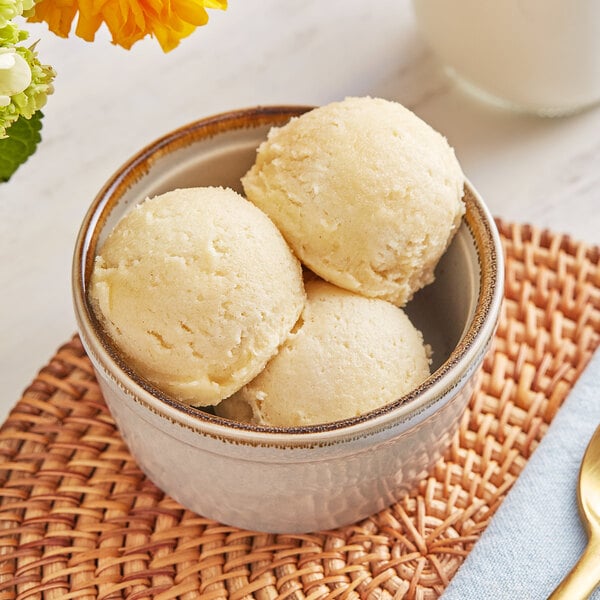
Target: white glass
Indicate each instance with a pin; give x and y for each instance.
(540, 56)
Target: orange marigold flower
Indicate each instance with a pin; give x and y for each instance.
(127, 20)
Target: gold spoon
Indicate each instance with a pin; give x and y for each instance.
(585, 575)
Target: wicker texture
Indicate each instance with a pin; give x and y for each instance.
(79, 520)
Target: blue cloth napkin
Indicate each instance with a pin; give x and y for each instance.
(536, 536)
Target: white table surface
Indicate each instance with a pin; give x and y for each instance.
(110, 102)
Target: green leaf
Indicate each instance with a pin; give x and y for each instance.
(21, 143)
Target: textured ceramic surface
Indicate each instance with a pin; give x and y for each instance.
(284, 479)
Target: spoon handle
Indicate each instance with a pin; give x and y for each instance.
(584, 576)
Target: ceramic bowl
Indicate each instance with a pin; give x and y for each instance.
(289, 479)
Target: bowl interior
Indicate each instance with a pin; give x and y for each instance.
(218, 152)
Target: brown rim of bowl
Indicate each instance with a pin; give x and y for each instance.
(470, 347)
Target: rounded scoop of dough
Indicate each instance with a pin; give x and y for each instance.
(366, 193)
(348, 355)
(198, 289)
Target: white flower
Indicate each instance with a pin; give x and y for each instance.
(15, 74)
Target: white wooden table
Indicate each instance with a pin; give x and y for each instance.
(109, 102)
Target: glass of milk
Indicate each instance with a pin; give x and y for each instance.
(538, 56)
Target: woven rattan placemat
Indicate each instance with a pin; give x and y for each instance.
(78, 519)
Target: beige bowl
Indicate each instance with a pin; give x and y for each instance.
(289, 479)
